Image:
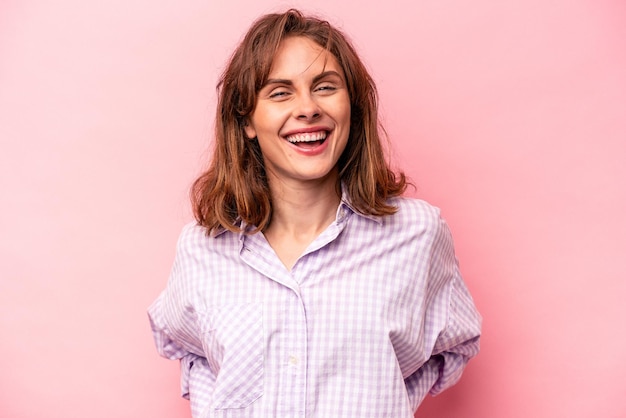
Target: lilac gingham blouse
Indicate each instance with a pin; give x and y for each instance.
(372, 317)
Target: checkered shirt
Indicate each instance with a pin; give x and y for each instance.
(372, 317)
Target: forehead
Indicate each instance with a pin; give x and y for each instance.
(298, 56)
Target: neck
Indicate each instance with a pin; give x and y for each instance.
(303, 209)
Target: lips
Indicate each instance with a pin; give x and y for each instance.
(309, 141)
(307, 137)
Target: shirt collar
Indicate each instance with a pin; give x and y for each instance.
(344, 205)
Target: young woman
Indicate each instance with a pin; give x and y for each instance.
(307, 285)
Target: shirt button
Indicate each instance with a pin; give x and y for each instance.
(293, 360)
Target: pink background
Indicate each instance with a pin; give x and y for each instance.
(509, 115)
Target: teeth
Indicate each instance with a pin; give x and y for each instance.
(308, 137)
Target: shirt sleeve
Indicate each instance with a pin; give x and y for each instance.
(175, 333)
(457, 341)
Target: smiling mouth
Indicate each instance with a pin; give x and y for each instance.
(308, 140)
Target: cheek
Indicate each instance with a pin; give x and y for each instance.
(265, 121)
(346, 110)
(260, 125)
(347, 119)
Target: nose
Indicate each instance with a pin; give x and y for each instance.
(307, 108)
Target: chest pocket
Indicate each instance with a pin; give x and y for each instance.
(232, 339)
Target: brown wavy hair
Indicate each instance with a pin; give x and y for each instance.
(235, 186)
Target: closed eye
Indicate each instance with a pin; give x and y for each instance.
(326, 88)
(278, 94)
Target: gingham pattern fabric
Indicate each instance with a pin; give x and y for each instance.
(372, 317)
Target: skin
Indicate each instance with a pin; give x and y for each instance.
(305, 98)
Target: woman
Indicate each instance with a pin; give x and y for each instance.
(307, 285)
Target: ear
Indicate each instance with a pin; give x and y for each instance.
(250, 131)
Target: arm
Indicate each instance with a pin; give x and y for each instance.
(175, 330)
(458, 340)
(197, 381)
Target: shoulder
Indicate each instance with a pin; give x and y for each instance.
(194, 237)
(421, 223)
(414, 212)
(415, 220)
(200, 255)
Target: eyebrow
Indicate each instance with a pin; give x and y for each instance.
(315, 79)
